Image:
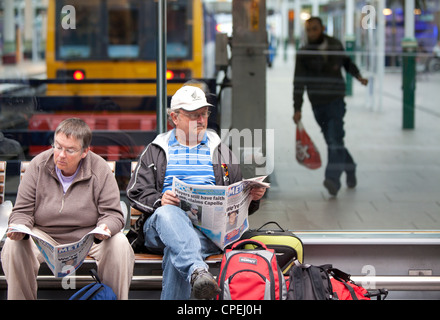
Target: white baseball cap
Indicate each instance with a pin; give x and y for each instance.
(189, 98)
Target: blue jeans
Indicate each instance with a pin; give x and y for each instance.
(184, 247)
(330, 118)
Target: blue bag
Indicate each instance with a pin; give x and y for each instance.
(95, 291)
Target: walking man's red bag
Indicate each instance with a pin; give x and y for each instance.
(306, 152)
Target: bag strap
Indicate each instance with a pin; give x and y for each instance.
(271, 222)
(90, 293)
(378, 293)
(241, 244)
(95, 276)
(349, 288)
(316, 281)
(298, 282)
(336, 273)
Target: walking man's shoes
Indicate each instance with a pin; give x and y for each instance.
(332, 187)
(351, 179)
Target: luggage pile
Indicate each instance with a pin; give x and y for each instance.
(267, 264)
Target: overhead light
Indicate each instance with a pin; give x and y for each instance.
(387, 11)
(305, 16)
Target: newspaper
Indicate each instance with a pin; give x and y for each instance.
(220, 212)
(62, 259)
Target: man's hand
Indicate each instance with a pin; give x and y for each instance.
(15, 235)
(297, 116)
(364, 81)
(257, 193)
(169, 197)
(104, 227)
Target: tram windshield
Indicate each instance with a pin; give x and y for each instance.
(120, 29)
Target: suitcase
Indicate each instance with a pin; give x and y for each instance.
(287, 245)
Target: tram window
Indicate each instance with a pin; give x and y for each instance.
(79, 43)
(123, 31)
(130, 26)
(179, 30)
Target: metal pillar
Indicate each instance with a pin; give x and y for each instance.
(161, 67)
(9, 33)
(249, 48)
(297, 22)
(249, 45)
(409, 46)
(380, 64)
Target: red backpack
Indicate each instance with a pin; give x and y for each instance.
(346, 289)
(250, 274)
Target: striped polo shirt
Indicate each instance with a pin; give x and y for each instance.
(192, 165)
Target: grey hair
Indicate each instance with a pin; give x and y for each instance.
(76, 128)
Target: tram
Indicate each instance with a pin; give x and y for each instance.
(117, 39)
(101, 64)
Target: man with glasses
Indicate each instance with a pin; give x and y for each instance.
(318, 70)
(194, 155)
(65, 193)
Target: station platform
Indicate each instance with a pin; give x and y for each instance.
(24, 69)
(398, 170)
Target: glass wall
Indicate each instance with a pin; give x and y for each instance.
(96, 60)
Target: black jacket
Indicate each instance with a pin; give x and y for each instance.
(145, 187)
(318, 69)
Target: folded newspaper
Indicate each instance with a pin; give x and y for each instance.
(220, 212)
(62, 259)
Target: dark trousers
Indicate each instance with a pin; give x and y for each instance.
(330, 118)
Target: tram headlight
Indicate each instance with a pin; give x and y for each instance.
(77, 74)
(179, 74)
(170, 75)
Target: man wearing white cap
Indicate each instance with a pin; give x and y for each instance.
(195, 155)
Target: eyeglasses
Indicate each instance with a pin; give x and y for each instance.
(195, 116)
(68, 151)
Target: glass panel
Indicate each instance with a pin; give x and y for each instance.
(123, 30)
(113, 47)
(79, 43)
(179, 30)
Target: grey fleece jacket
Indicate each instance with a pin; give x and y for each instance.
(92, 199)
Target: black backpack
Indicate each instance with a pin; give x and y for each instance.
(308, 282)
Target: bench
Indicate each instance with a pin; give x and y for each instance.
(142, 260)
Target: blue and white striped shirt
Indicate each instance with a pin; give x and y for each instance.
(190, 165)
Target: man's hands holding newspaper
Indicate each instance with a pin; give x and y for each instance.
(15, 235)
(104, 227)
(169, 197)
(257, 193)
